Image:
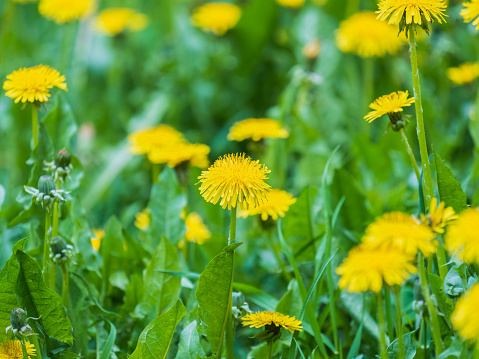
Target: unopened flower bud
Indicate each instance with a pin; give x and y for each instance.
(63, 158)
(61, 252)
(18, 318)
(46, 184)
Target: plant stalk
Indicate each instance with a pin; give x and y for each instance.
(24, 349)
(270, 349)
(230, 330)
(46, 248)
(399, 322)
(389, 314)
(411, 155)
(65, 287)
(382, 326)
(55, 211)
(35, 125)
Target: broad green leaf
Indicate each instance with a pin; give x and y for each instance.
(409, 347)
(156, 338)
(190, 347)
(60, 124)
(450, 190)
(108, 346)
(40, 301)
(453, 285)
(445, 304)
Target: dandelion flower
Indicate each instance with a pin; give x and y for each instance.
(235, 180)
(98, 235)
(462, 237)
(438, 216)
(401, 232)
(471, 12)
(291, 3)
(33, 83)
(194, 154)
(114, 21)
(364, 35)
(465, 318)
(196, 230)
(412, 11)
(277, 204)
(270, 319)
(368, 268)
(143, 219)
(62, 11)
(257, 129)
(390, 105)
(464, 73)
(216, 17)
(12, 349)
(144, 141)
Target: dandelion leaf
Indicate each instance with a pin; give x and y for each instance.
(450, 190)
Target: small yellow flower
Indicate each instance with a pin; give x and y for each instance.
(98, 235)
(438, 216)
(464, 73)
(364, 35)
(413, 11)
(257, 129)
(196, 230)
(145, 141)
(389, 105)
(143, 219)
(235, 180)
(291, 3)
(277, 204)
(399, 231)
(368, 268)
(465, 318)
(33, 83)
(462, 236)
(216, 17)
(194, 154)
(114, 21)
(62, 11)
(471, 12)
(267, 318)
(12, 349)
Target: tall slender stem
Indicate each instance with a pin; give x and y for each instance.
(34, 125)
(476, 351)
(24, 349)
(442, 261)
(270, 349)
(389, 313)
(382, 326)
(65, 287)
(46, 248)
(56, 212)
(411, 155)
(34, 340)
(399, 322)
(230, 330)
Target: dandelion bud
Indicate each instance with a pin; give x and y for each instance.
(63, 158)
(18, 318)
(61, 252)
(46, 184)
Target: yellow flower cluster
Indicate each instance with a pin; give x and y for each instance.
(143, 219)
(196, 230)
(257, 129)
(462, 237)
(98, 235)
(465, 317)
(389, 105)
(62, 11)
(294, 4)
(471, 13)
(12, 349)
(464, 73)
(413, 11)
(275, 206)
(114, 21)
(261, 319)
(216, 17)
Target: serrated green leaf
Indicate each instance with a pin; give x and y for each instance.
(450, 190)
(409, 347)
(190, 347)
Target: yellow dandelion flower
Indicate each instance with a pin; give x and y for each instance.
(256, 129)
(216, 17)
(364, 35)
(368, 268)
(196, 230)
(291, 3)
(413, 11)
(12, 349)
(277, 204)
(402, 232)
(144, 141)
(471, 12)
(438, 216)
(462, 237)
(143, 219)
(464, 73)
(194, 154)
(98, 235)
(62, 11)
(235, 180)
(465, 318)
(114, 21)
(33, 83)
(389, 105)
(267, 318)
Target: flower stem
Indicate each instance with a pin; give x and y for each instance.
(399, 322)
(155, 172)
(389, 313)
(442, 261)
(35, 125)
(411, 155)
(382, 326)
(34, 340)
(65, 288)
(56, 212)
(230, 330)
(270, 349)
(46, 248)
(24, 349)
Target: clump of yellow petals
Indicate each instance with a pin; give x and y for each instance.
(294, 4)
(98, 235)
(195, 154)
(438, 216)
(464, 73)
(12, 349)
(261, 319)
(62, 11)
(235, 180)
(367, 268)
(465, 318)
(471, 12)
(364, 35)
(275, 206)
(256, 129)
(33, 83)
(114, 21)
(216, 17)
(400, 232)
(413, 11)
(196, 230)
(144, 141)
(143, 219)
(462, 237)
(389, 104)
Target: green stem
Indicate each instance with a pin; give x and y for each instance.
(436, 331)
(411, 155)
(155, 172)
(46, 248)
(399, 322)
(442, 261)
(232, 236)
(368, 83)
(230, 330)
(65, 287)
(34, 125)
(476, 351)
(34, 340)
(421, 134)
(382, 326)
(270, 349)
(389, 313)
(56, 212)
(24, 349)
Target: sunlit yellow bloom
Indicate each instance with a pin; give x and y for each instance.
(235, 180)
(464, 73)
(176, 154)
(62, 11)
(113, 21)
(196, 230)
(438, 216)
(216, 17)
(413, 11)
(291, 3)
(277, 204)
(465, 318)
(399, 231)
(98, 235)
(12, 349)
(367, 268)
(143, 219)
(471, 12)
(33, 83)
(462, 236)
(256, 129)
(389, 105)
(364, 35)
(144, 141)
(266, 318)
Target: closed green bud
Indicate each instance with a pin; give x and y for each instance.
(18, 318)
(46, 184)
(63, 158)
(61, 252)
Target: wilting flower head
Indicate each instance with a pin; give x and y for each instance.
(462, 237)
(364, 35)
(113, 21)
(178, 153)
(235, 180)
(400, 232)
(471, 12)
(216, 17)
(62, 11)
(98, 235)
(465, 318)
(367, 268)
(12, 349)
(257, 129)
(464, 73)
(144, 141)
(143, 219)
(438, 216)
(291, 3)
(277, 204)
(273, 322)
(33, 84)
(196, 230)
(391, 105)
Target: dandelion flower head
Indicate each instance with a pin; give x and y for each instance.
(267, 318)
(412, 11)
(182, 152)
(98, 235)
(389, 105)
(471, 12)
(462, 237)
(114, 21)
(439, 216)
(12, 349)
(464, 73)
(143, 219)
(465, 318)
(294, 4)
(257, 129)
(275, 206)
(62, 11)
(196, 230)
(145, 141)
(216, 17)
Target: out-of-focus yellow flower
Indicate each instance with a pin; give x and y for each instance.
(196, 230)
(465, 318)
(114, 21)
(413, 11)
(12, 349)
(462, 236)
(174, 155)
(33, 83)
(277, 204)
(257, 129)
(312, 49)
(62, 11)
(216, 17)
(464, 73)
(364, 35)
(438, 216)
(389, 105)
(143, 219)
(268, 318)
(145, 141)
(291, 3)
(471, 12)
(98, 235)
